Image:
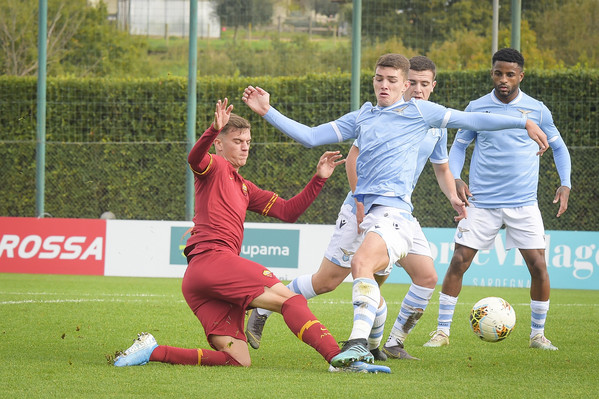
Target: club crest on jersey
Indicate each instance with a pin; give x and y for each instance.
(267, 273)
(346, 254)
(435, 132)
(400, 110)
(244, 189)
(461, 230)
(525, 112)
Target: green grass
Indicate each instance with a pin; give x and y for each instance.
(55, 333)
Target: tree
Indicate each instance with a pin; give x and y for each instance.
(80, 40)
(238, 13)
(575, 43)
(18, 32)
(99, 48)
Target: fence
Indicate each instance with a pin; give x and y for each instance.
(118, 144)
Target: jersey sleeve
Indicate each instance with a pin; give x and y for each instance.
(268, 203)
(561, 155)
(439, 154)
(457, 153)
(483, 121)
(199, 159)
(327, 133)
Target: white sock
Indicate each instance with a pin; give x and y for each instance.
(538, 315)
(446, 309)
(412, 307)
(378, 327)
(365, 298)
(300, 285)
(303, 285)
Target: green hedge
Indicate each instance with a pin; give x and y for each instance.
(120, 145)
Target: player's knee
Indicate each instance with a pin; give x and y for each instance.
(538, 270)
(245, 363)
(459, 264)
(428, 280)
(360, 265)
(322, 287)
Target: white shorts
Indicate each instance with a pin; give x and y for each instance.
(395, 226)
(346, 240)
(523, 228)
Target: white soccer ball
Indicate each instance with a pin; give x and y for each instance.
(492, 319)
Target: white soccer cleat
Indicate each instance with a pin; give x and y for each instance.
(438, 339)
(360, 367)
(540, 342)
(139, 353)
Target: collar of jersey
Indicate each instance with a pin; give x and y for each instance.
(390, 107)
(513, 102)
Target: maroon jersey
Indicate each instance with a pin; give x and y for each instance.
(222, 197)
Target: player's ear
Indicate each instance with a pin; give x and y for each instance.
(218, 143)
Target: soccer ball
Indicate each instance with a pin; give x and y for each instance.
(492, 319)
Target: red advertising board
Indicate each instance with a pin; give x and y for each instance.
(52, 246)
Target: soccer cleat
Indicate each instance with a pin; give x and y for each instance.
(139, 353)
(361, 367)
(438, 338)
(378, 355)
(255, 325)
(397, 351)
(353, 350)
(540, 342)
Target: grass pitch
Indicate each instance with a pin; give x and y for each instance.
(56, 333)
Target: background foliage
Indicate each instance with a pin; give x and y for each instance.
(125, 151)
(116, 99)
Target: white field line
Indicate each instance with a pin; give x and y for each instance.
(329, 302)
(113, 297)
(156, 297)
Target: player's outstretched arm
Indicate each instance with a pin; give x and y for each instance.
(222, 114)
(198, 158)
(535, 133)
(257, 99)
(327, 164)
(562, 195)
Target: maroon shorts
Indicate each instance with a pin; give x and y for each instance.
(219, 286)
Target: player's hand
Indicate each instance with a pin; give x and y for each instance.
(327, 163)
(562, 194)
(460, 207)
(222, 114)
(257, 99)
(463, 191)
(535, 133)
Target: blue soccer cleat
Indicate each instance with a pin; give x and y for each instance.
(361, 367)
(139, 353)
(354, 350)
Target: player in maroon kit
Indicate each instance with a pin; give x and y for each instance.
(219, 285)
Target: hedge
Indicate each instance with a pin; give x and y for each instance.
(120, 145)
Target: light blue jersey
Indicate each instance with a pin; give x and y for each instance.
(433, 148)
(504, 170)
(389, 139)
